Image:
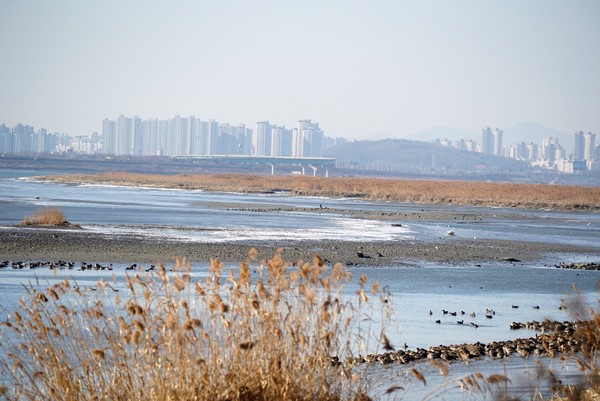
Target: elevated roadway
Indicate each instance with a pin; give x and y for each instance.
(314, 163)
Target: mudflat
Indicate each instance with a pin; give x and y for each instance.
(79, 244)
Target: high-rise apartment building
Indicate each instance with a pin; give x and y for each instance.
(5, 139)
(261, 142)
(308, 140)
(281, 141)
(550, 150)
(589, 145)
(491, 141)
(109, 135)
(487, 141)
(470, 145)
(23, 138)
(578, 146)
(150, 137)
(497, 135)
(127, 136)
(532, 151)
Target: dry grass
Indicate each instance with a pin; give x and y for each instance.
(46, 216)
(418, 191)
(264, 332)
(588, 359)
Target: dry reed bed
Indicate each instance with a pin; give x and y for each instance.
(262, 332)
(398, 190)
(45, 216)
(234, 335)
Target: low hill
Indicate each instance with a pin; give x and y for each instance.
(526, 131)
(416, 156)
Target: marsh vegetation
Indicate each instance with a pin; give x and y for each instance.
(398, 190)
(268, 331)
(49, 216)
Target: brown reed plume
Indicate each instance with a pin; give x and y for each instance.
(266, 331)
(46, 216)
(587, 358)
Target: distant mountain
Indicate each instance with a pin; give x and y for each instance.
(530, 131)
(527, 131)
(416, 156)
(443, 133)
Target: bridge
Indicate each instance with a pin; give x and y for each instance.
(313, 163)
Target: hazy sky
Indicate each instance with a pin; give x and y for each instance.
(362, 69)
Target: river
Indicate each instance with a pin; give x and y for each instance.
(537, 289)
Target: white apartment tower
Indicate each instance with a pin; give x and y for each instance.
(308, 140)
(589, 145)
(487, 141)
(578, 146)
(497, 135)
(150, 138)
(109, 135)
(261, 142)
(281, 141)
(549, 149)
(491, 141)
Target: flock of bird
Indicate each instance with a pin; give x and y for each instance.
(489, 314)
(61, 265)
(556, 338)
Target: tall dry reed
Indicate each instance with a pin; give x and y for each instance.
(587, 359)
(268, 331)
(45, 216)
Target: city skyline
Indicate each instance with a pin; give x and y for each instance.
(186, 136)
(363, 70)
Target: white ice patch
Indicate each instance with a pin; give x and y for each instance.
(339, 229)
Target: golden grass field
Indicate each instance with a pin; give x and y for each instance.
(398, 190)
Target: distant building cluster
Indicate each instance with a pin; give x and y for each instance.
(24, 139)
(190, 136)
(179, 136)
(490, 144)
(185, 136)
(549, 154)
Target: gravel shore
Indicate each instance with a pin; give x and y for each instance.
(37, 243)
